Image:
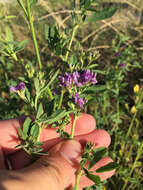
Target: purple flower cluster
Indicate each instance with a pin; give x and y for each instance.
(78, 78)
(79, 101)
(20, 86)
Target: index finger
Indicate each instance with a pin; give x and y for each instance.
(85, 123)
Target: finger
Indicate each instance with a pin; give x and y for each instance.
(84, 181)
(2, 163)
(98, 137)
(85, 123)
(9, 138)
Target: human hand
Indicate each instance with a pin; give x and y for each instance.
(57, 170)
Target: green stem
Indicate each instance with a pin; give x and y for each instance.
(117, 126)
(71, 40)
(127, 135)
(33, 33)
(131, 125)
(50, 93)
(61, 98)
(76, 187)
(73, 126)
(134, 165)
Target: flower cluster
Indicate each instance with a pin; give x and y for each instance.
(20, 86)
(77, 78)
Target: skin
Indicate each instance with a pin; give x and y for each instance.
(57, 170)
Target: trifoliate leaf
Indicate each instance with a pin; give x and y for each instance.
(97, 156)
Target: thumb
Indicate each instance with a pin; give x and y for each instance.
(56, 171)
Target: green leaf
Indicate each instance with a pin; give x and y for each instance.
(104, 14)
(58, 49)
(57, 115)
(27, 93)
(42, 153)
(47, 28)
(39, 143)
(26, 125)
(33, 2)
(9, 36)
(20, 2)
(22, 135)
(35, 130)
(73, 60)
(21, 45)
(92, 66)
(36, 84)
(95, 89)
(94, 178)
(98, 154)
(40, 111)
(50, 82)
(109, 167)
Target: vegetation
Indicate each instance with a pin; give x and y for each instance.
(113, 46)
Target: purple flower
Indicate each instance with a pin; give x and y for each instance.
(65, 80)
(78, 78)
(122, 65)
(20, 86)
(75, 77)
(86, 76)
(79, 101)
(12, 89)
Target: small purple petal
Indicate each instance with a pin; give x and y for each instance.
(12, 89)
(62, 80)
(65, 80)
(94, 81)
(79, 101)
(117, 54)
(86, 76)
(75, 77)
(20, 86)
(122, 65)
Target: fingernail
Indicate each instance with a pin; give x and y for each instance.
(70, 150)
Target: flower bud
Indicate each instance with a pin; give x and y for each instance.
(127, 106)
(136, 88)
(133, 109)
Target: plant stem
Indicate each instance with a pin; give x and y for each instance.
(50, 93)
(117, 126)
(33, 33)
(71, 40)
(127, 135)
(76, 187)
(73, 126)
(134, 164)
(61, 98)
(131, 125)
